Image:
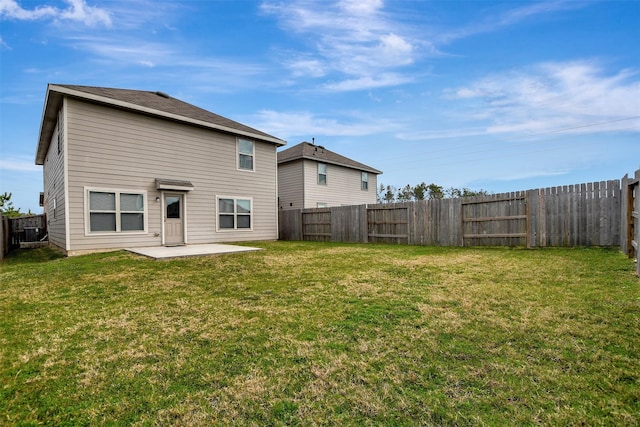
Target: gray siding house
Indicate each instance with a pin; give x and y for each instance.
(128, 168)
(310, 176)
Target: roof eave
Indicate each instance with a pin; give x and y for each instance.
(47, 124)
(365, 168)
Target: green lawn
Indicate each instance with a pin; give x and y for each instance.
(321, 334)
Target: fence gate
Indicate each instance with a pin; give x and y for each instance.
(633, 218)
(500, 220)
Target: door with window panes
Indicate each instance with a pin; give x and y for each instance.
(173, 219)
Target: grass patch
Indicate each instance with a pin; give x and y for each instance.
(321, 334)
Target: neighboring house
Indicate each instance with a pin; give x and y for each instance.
(310, 176)
(128, 168)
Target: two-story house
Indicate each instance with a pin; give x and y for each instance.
(129, 168)
(310, 176)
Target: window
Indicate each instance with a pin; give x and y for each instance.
(322, 173)
(115, 211)
(365, 181)
(172, 205)
(245, 154)
(234, 214)
(322, 205)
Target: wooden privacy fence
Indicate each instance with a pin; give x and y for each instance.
(630, 237)
(31, 228)
(500, 220)
(574, 215)
(23, 229)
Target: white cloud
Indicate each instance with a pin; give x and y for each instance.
(441, 134)
(368, 82)
(11, 9)
(81, 12)
(569, 96)
(395, 50)
(77, 10)
(3, 44)
(497, 21)
(544, 173)
(13, 164)
(353, 41)
(361, 7)
(308, 67)
(304, 123)
(123, 50)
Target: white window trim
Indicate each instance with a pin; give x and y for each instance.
(235, 214)
(253, 155)
(364, 177)
(326, 172)
(117, 191)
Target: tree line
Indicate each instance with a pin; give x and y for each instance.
(423, 191)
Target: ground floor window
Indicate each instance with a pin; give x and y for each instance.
(115, 211)
(234, 213)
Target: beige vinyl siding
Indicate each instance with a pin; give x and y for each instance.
(343, 186)
(290, 189)
(54, 194)
(110, 148)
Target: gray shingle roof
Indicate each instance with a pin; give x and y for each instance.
(146, 102)
(306, 150)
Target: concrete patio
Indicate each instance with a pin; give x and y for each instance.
(164, 252)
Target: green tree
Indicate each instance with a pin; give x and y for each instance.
(6, 206)
(389, 195)
(405, 194)
(420, 191)
(380, 193)
(464, 192)
(435, 191)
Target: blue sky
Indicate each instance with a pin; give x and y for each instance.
(500, 96)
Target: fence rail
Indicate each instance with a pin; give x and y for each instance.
(574, 215)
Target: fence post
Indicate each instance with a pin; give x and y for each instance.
(529, 208)
(4, 237)
(636, 219)
(362, 221)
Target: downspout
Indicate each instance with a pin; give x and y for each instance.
(65, 161)
(304, 185)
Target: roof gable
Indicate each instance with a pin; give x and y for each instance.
(157, 104)
(306, 150)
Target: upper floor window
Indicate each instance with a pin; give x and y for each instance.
(322, 173)
(365, 181)
(245, 154)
